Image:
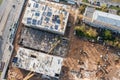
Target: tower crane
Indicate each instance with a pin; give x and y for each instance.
(29, 75)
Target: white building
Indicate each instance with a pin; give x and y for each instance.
(38, 62)
(102, 19)
(42, 15)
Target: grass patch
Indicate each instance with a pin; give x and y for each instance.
(115, 7)
(1, 1)
(85, 1)
(115, 0)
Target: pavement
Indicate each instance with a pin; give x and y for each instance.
(8, 17)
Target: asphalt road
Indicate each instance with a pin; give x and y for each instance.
(12, 14)
(4, 12)
(10, 17)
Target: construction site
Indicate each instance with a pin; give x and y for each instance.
(47, 49)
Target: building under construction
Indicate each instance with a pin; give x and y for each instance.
(46, 17)
(43, 41)
(38, 62)
(40, 46)
(43, 51)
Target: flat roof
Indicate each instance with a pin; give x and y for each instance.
(38, 62)
(45, 16)
(107, 18)
(103, 19)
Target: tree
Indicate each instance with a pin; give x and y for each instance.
(92, 33)
(107, 34)
(119, 45)
(82, 8)
(104, 8)
(80, 30)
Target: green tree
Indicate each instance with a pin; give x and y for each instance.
(92, 33)
(107, 34)
(104, 8)
(82, 8)
(80, 30)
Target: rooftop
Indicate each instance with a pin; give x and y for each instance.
(89, 13)
(43, 41)
(38, 62)
(102, 19)
(46, 17)
(107, 18)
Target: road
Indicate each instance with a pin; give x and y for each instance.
(3, 17)
(10, 15)
(5, 10)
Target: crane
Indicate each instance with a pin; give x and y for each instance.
(29, 75)
(61, 21)
(54, 45)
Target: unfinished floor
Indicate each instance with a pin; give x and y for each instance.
(43, 41)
